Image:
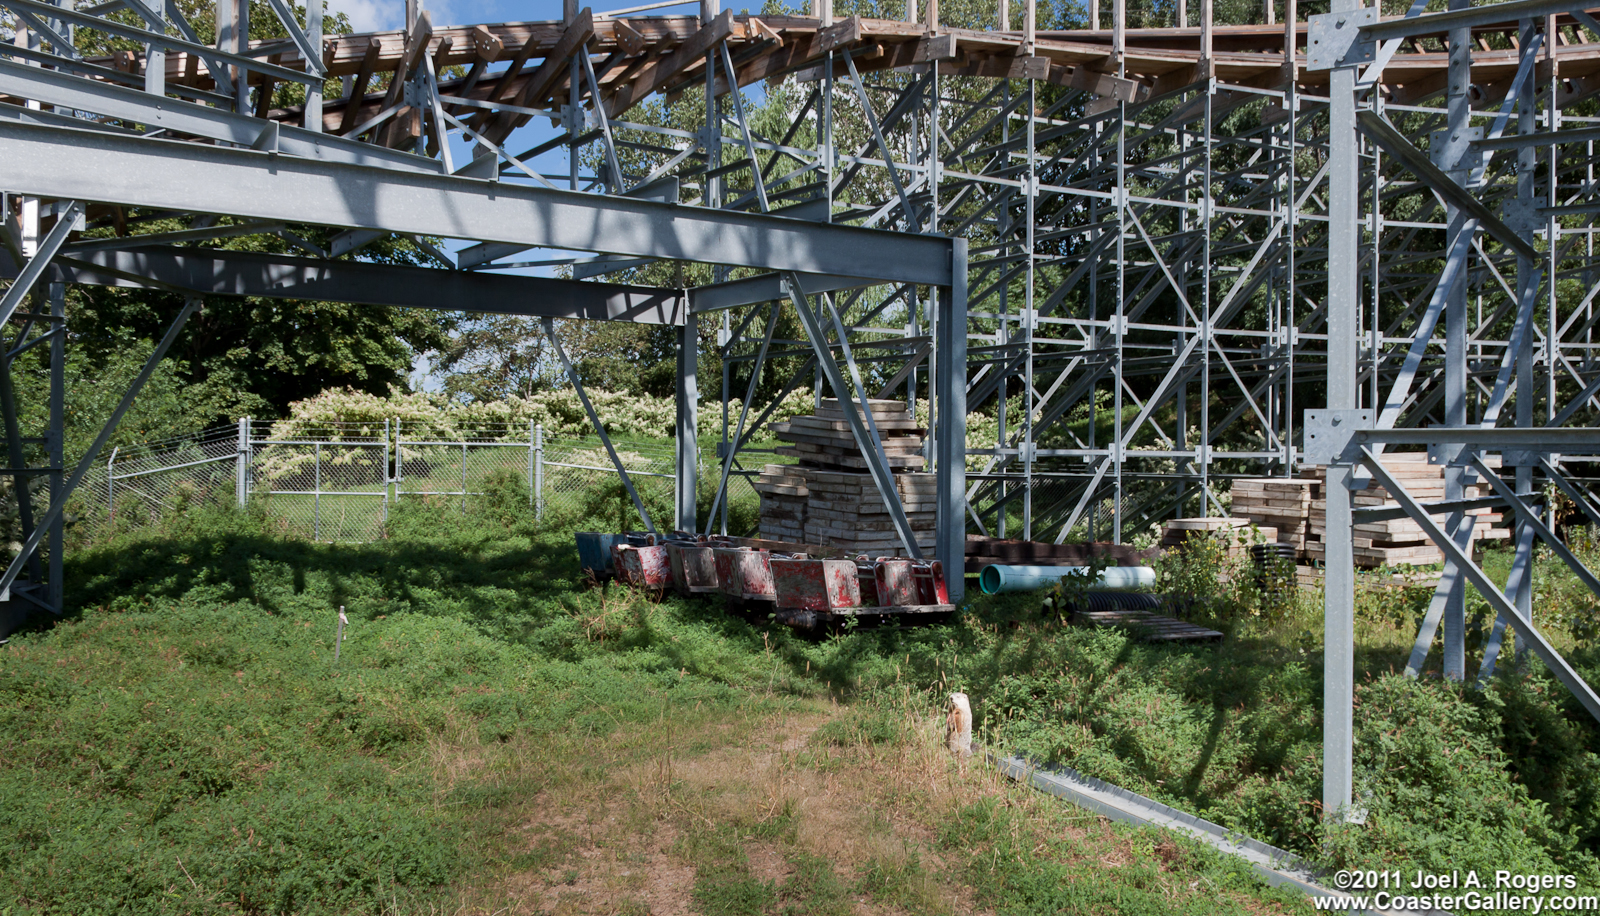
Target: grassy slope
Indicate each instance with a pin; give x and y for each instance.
(494, 738)
(1451, 777)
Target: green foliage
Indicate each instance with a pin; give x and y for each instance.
(725, 886)
(1217, 579)
(196, 695)
(558, 410)
(495, 357)
(1440, 790)
(223, 738)
(196, 705)
(272, 352)
(865, 724)
(892, 882)
(169, 404)
(609, 502)
(1043, 879)
(1233, 733)
(504, 499)
(1383, 602)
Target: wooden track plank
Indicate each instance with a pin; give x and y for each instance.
(358, 90)
(416, 44)
(1239, 51)
(1246, 55)
(689, 54)
(505, 85)
(546, 78)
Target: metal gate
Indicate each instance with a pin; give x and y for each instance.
(334, 487)
(454, 469)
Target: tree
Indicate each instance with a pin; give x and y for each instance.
(267, 352)
(494, 357)
(615, 356)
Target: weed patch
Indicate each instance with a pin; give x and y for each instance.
(499, 737)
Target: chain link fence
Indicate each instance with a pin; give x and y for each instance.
(341, 482)
(138, 484)
(333, 487)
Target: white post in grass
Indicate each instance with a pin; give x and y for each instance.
(339, 640)
(242, 464)
(958, 726)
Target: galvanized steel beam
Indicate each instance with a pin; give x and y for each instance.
(55, 162)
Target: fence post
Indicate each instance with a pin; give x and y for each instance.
(316, 497)
(241, 482)
(538, 472)
(111, 485)
(399, 462)
(386, 468)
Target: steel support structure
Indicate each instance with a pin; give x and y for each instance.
(1110, 270)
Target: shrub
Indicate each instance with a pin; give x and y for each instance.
(346, 412)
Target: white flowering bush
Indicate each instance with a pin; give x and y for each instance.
(343, 414)
(796, 403)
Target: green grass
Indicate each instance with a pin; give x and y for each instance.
(1449, 776)
(186, 743)
(194, 712)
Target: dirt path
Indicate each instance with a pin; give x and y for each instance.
(812, 809)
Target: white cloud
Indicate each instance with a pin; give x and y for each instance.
(371, 15)
(444, 13)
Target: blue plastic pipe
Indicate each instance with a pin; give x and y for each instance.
(996, 578)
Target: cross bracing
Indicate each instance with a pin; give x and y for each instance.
(1141, 255)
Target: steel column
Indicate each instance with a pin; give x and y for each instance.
(1343, 307)
(688, 408)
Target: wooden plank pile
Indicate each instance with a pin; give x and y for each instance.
(828, 500)
(1146, 626)
(1302, 520)
(842, 511)
(824, 439)
(1282, 503)
(1236, 531)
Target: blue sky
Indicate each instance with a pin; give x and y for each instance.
(373, 15)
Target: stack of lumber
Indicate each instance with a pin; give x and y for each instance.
(1147, 627)
(1299, 512)
(842, 511)
(828, 500)
(1399, 541)
(824, 439)
(784, 492)
(1235, 531)
(1280, 503)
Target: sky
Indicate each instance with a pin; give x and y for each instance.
(375, 15)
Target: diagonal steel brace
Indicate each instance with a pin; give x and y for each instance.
(59, 503)
(36, 267)
(1383, 133)
(866, 432)
(1496, 598)
(594, 419)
